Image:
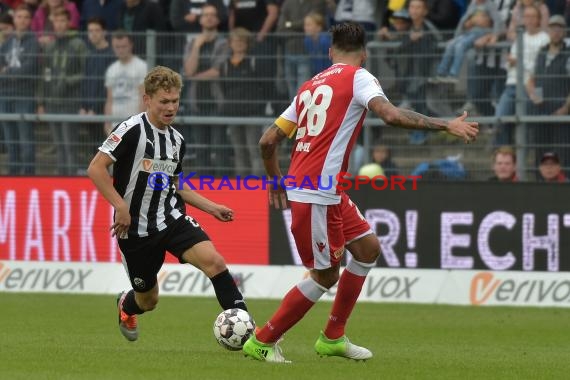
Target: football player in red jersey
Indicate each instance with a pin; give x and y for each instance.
(326, 116)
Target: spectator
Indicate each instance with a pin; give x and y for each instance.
(124, 80)
(99, 58)
(11, 4)
(138, 16)
(257, 16)
(106, 10)
(505, 8)
(60, 89)
(6, 26)
(550, 169)
(395, 57)
(239, 73)
(184, 17)
(18, 71)
(444, 14)
(533, 40)
(485, 76)
(260, 17)
(418, 45)
(556, 7)
(291, 22)
(481, 17)
(400, 23)
(504, 165)
(518, 10)
(549, 86)
(4, 9)
(364, 12)
(382, 156)
(33, 5)
(185, 14)
(203, 54)
(317, 42)
(42, 24)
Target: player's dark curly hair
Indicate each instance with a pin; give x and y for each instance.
(161, 77)
(348, 37)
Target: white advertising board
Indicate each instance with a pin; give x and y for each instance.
(456, 287)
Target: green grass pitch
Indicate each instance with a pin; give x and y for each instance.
(54, 336)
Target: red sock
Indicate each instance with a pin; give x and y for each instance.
(293, 307)
(349, 287)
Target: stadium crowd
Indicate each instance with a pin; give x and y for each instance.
(245, 58)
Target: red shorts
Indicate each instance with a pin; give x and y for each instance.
(321, 231)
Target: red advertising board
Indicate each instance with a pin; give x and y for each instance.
(65, 219)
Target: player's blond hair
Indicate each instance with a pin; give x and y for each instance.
(161, 77)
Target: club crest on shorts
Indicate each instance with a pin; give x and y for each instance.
(139, 282)
(338, 253)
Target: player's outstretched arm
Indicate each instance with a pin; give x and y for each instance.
(98, 173)
(403, 118)
(218, 211)
(268, 144)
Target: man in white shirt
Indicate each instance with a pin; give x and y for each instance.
(534, 38)
(124, 80)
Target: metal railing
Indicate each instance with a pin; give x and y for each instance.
(440, 100)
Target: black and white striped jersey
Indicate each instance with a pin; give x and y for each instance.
(139, 149)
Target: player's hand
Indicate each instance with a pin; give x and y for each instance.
(223, 213)
(277, 197)
(466, 130)
(122, 222)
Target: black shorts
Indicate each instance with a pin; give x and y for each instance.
(143, 256)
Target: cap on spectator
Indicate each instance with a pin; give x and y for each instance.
(550, 156)
(557, 20)
(402, 14)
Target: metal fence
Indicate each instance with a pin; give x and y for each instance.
(216, 113)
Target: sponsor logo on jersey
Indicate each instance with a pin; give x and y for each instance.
(112, 141)
(165, 166)
(139, 282)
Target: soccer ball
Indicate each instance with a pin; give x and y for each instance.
(232, 328)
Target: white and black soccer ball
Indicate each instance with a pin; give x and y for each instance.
(232, 328)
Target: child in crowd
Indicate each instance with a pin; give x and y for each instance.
(481, 17)
(317, 42)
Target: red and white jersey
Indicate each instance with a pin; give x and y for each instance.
(327, 114)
